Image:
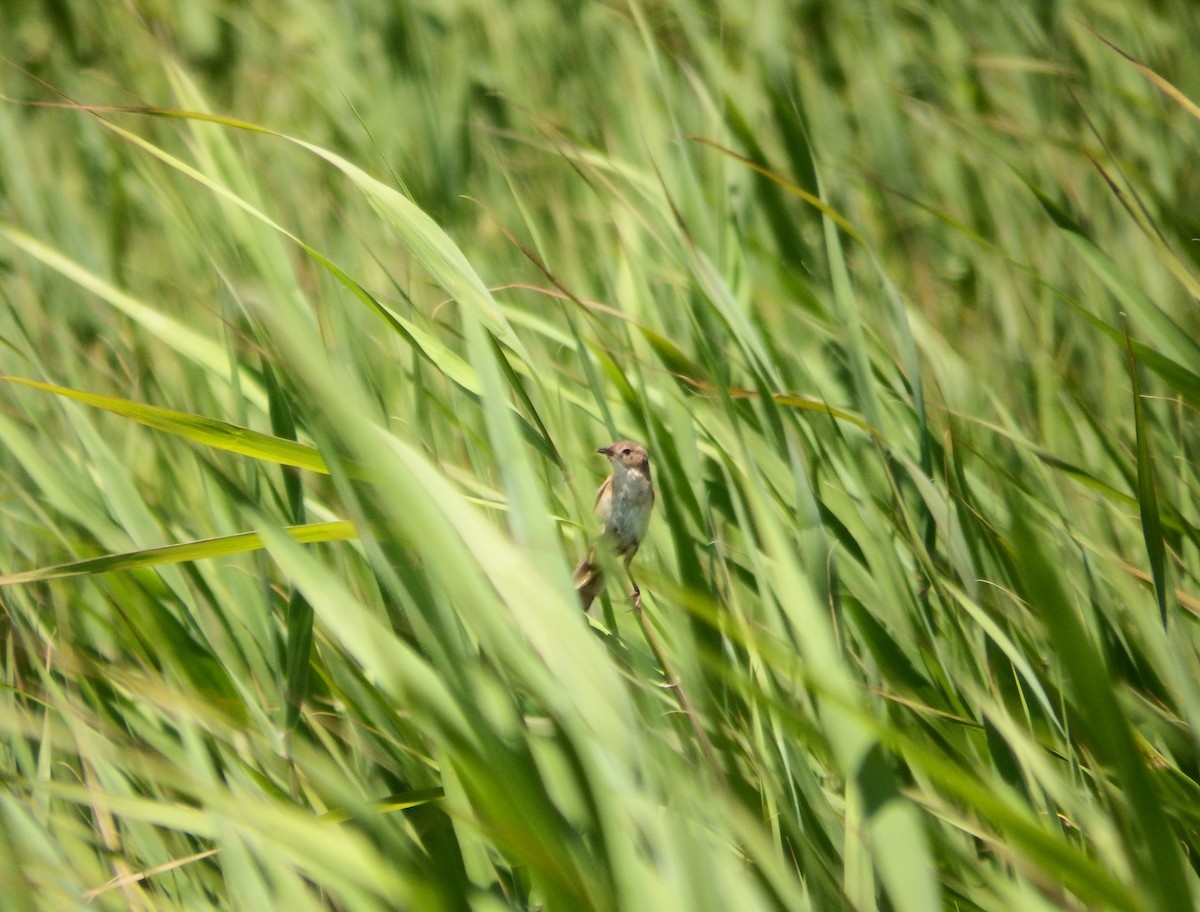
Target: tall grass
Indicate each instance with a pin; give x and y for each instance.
(313, 317)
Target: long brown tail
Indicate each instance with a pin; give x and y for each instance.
(589, 579)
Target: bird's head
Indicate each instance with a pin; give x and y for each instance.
(626, 454)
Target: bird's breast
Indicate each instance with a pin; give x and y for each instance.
(629, 516)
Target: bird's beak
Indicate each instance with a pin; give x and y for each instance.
(603, 451)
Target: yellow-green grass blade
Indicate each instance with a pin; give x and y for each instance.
(211, 432)
(171, 332)
(432, 246)
(222, 546)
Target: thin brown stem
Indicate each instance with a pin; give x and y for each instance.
(675, 683)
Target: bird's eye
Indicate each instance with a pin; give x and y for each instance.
(626, 451)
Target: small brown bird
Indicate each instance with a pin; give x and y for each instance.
(623, 506)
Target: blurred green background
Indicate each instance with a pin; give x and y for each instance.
(311, 319)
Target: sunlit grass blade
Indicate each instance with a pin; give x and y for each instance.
(208, 431)
(171, 332)
(223, 546)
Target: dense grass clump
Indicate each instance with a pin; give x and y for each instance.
(312, 316)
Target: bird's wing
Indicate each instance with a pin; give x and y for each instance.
(604, 486)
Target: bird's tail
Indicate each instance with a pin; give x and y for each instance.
(589, 579)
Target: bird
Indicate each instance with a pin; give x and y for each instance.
(623, 505)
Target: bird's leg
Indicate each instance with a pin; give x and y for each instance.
(636, 594)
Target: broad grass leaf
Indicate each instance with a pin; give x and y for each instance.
(207, 431)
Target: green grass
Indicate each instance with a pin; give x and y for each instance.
(313, 315)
